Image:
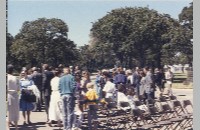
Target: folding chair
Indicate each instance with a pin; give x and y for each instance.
(141, 98)
(186, 104)
(157, 118)
(168, 111)
(116, 117)
(171, 116)
(162, 100)
(188, 108)
(125, 107)
(94, 120)
(177, 107)
(155, 114)
(111, 110)
(151, 102)
(121, 121)
(172, 98)
(126, 117)
(141, 121)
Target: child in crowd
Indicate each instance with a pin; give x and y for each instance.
(91, 95)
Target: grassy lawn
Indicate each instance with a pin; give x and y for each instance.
(179, 78)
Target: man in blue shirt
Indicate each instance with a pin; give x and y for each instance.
(67, 87)
(120, 78)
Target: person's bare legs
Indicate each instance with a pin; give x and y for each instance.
(24, 116)
(16, 125)
(28, 117)
(170, 89)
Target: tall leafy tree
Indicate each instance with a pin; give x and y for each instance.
(44, 41)
(9, 41)
(186, 20)
(186, 17)
(180, 45)
(134, 34)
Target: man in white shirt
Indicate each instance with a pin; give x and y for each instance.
(109, 87)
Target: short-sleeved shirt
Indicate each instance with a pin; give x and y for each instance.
(91, 95)
(109, 88)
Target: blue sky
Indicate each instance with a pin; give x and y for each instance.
(79, 14)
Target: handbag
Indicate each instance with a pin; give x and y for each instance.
(29, 97)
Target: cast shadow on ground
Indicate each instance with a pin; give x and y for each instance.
(33, 126)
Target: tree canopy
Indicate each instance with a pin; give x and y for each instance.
(9, 41)
(138, 36)
(186, 17)
(130, 36)
(44, 41)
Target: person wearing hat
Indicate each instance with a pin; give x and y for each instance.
(12, 97)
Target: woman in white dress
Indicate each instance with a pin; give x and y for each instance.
(54, 112)
(12, 97)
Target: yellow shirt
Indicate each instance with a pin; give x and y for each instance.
(91, 95)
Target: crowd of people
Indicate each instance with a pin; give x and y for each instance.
(64, 90)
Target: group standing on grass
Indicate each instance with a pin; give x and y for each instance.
(73, 87)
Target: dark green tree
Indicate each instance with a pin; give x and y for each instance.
(44, 41)
(85, 57)
(186, 17)
(180, 39)
(134, 34)
(186, 20)
(179, 43)
(9, 41)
